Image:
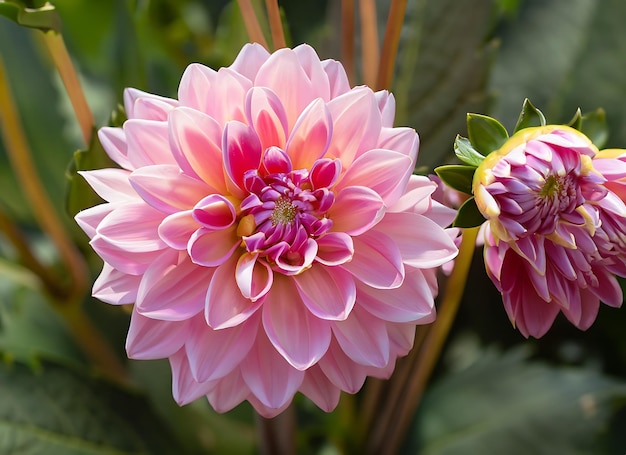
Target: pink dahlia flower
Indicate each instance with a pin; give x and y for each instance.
(269, 230)
(556, 226)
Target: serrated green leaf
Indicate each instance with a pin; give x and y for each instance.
(529, 117)
(485, 133)
(593, 125)
(505, 404)
(457, 176)
(56, 411)
(464, 151)
(468, 216)
(576, 120)
(44, 18)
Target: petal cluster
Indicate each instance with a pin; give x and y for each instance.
(269, 231)
(556, 226)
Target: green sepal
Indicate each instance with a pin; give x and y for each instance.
(457, 176)
(464, 151)
(44, 18)
(485, 133)
(576, 121)
(593, 125)
(468, 215)
(529, 117)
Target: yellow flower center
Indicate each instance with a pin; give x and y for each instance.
(284, 212)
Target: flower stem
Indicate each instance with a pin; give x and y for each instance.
(251, 21)
(370, 47)
(276, 24)
(56, 47)
(389, 431)
(390, 44)
(347, 38)
(24, 167)
(277, 435)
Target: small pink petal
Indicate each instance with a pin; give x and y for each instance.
(337, 77)
(334, 248)
(166, 188)
(148, 142)
(325, 172)
(215, 212)
(319, 389)
(228, 392)
(341, 370)
(403, 140)
(314, 70)
(185, 388)
(363, 338)
(197, 86)
(384, 171)
(377, 261)
(328, 293)
(90, 219)
(139, 104)
(387, 107)
(241, 151)
(230, 104)
(299, 336)
(115, 287)
(196, 140)
(173, 288)
(266, 114)
(225, 306)
(250, 58)
(212, 248)
(417, 197)
(113, 141)
(310, 135)
(112, 185)
(176, 229)
(254, 277)
(356, 210)
(214, 354)
(150, 339)
(132, 262)
(271, 379)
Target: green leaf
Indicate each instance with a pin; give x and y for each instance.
(44, 18)
(593, 125)
(529, 117)
(464, 151)
(56, 411)
(457, 176)
(576, 120)
(485, 133)
(468, 216)
(505, 404)
(442, 71)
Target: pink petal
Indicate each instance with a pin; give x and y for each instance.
(329, 293)
(319, 389)
(325, 172)
(311, 135)
(250, 58)
(402, 336)
(110, 184)
(417, 197)
(115, 287)
(254, 277)
(89, 219)
(341, 370)
(196, 141)
(143, 105)
(113, 141)
(166, 188)
(173, 288)
(213, 354)
(384, 171)
(337, 78)
(197, 87)
(588, 310)
(225, 306)
(283, 74)
(266, 114)
(268, 375)
(403, 140)
(215, 212)
(212, 248)
(132, 262)
(228, 392)
(133, 227)
(185, 388)
(363, 338)
(314, 70)
(227, 100)
(357, 124)
(411, 302)
(334, 248)
(241, 151)
(176, 229)
(422, 242)
(299, 336)
(148, 142)
(377, 261)
(150, 339)
(356, 210)
(387, 107)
